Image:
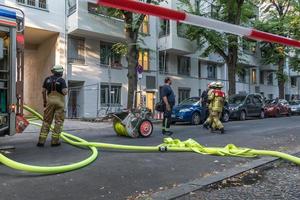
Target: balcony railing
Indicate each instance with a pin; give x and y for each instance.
(72, 9)
(39, 4)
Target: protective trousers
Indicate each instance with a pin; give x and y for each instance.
(167, 120)
(215, 119)
(208, 121)
(54, 110)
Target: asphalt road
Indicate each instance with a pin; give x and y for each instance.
(121, 175)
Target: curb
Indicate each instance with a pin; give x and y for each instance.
(198, 184)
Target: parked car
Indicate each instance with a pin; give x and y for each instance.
(295, 107)
(190, 110)
(242, 106)
(277, 107)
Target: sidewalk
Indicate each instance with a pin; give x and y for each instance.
(279, 180)
(74, 125)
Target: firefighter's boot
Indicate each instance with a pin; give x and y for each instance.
(55, 140)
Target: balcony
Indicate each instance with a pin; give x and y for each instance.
(172, 40)
(268, 67)
(93, 21)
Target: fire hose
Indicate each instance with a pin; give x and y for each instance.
(169, 145)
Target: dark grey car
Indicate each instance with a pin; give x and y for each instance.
(242, 106)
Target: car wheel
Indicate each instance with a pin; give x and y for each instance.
(262, 114)
(243, 116)
(225, 117)
(196, 119)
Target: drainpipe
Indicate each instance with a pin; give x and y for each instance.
(66, 55)
(250, 75)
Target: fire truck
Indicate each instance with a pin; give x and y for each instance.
(11, 70)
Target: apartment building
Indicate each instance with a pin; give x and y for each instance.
(80, 36)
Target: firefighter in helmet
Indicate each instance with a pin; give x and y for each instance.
(217, 99)
(210, 88)
(54, 92)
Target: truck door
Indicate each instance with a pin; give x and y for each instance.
(7, 80)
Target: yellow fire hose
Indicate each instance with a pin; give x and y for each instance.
(169, 145)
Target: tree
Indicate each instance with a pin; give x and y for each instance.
(226, 45)
(130, 48)
(280, 17)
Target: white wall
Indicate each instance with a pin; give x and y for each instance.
(52, 19)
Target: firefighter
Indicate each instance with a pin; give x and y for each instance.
(207, 104)
(54, 92)
(217, 99)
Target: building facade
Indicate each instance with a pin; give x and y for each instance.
(80, 36)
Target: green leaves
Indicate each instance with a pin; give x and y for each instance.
(281, 18)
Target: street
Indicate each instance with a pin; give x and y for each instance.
(121, 175)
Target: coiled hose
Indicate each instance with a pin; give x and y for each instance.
(169, 145)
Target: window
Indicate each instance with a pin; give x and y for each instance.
(113, 97)
(262, 77)
(249, 46)
(199, 69)
(212, 71)
(41, 4)
(293, 81)
(103, 11)
(108, 57)
(248, 101)
(72, 6)
(164, 28)
(144, 59)
(150, 82)
(270, 79)
(183, 93)
(76, 50)
(256, 100)
(214, 11)
(253, 76)
(163, 61)
(144, 28)
(184, 65)
(242, 75)
(182, 30)
(270, 96)
(197, 5)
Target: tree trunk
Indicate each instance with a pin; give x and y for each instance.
(232, 62)
(132, 58)
(281, 78)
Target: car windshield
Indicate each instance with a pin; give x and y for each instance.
(189, 101)
(236, 99)
(271, 102)
(295, 103)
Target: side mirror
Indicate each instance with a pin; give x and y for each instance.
(1, 48)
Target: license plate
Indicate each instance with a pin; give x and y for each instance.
(173, 116)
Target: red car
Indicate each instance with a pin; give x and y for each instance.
(277, 107)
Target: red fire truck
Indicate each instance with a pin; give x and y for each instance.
(11, 70)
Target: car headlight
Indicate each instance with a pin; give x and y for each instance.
(185, 110)
(234, 108)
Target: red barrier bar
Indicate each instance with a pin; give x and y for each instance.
(269, 37)
(144, 8)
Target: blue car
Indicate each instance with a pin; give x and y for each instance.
(190, 110)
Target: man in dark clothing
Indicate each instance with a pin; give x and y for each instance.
(204, 103)
(54, 91)
(168, 98)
